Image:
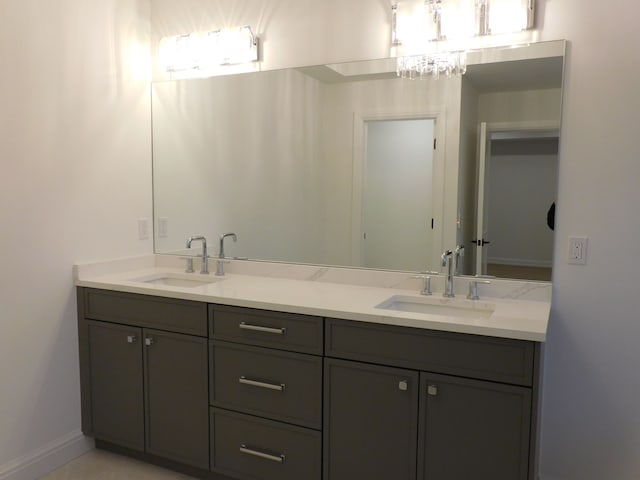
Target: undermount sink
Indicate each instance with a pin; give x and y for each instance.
(178, 280)
(438, 306)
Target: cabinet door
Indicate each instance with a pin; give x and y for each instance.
(370, 422)
(176, 403)
(115, 358)
(473, 429)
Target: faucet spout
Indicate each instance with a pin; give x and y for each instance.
(221, 255)
(447, 261)
(205, 253)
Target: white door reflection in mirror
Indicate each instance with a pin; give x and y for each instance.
(482, 214)
(517, 177)
(397, 197)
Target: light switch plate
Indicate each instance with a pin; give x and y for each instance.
(143, 228)
(163, 227)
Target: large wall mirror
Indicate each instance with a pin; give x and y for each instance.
(349, 165)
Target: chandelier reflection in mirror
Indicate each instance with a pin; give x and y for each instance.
(433, 65)
(433, 35)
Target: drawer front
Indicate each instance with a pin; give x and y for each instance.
(473, 356)
(254, 448)
(270, 383)
(285, 331)
(180, 316)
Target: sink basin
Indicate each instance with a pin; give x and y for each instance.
(178, 280)
(448, 307)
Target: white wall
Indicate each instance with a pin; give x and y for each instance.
(591, 424)
(532, 106)
(522, 187)
(75, 177)
(465, 214)
(239, 154)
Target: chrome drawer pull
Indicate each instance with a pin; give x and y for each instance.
(257, 328)
(271, 386)
(256, 453)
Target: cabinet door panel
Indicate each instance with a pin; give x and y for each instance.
(115, 358)
(370, 422)
(473, 429)
(176, 380)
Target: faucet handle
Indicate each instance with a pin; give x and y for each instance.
(189, 265)
(220, 261)
(426, 281)
(473, 288)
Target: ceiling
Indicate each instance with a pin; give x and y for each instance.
(516, 75)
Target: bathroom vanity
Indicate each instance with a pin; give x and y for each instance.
(265, 377)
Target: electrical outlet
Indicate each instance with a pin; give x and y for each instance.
(578, 250)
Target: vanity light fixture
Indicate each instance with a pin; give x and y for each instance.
(395, 41)
(204, 52)
(179, 53)
(447, 28)
(233, 47)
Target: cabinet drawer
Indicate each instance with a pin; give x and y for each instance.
(180, 316)
(473, 356)
(285, 331)
(254, 448)
(270, 383)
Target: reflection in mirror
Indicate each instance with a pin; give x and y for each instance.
(290, 160)
(517, 178)
(509, 161)
(396, 222)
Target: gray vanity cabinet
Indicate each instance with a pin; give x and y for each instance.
(453, 406)
(145, 388)
(232, 392)
(371, 421)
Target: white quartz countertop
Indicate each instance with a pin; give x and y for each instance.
(520, 310)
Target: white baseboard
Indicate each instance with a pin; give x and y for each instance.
(47, 458)
(520, 262)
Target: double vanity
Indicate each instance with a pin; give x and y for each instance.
(283, 371)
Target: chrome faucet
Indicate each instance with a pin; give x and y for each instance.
(447, 261)
(221, 257)
(205, 254)
(459, 252)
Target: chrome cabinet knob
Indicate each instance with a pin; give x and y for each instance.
(131, 339)
(403, 385)
(148, 341)
(432, 390)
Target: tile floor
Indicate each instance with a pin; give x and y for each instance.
(102, 465)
